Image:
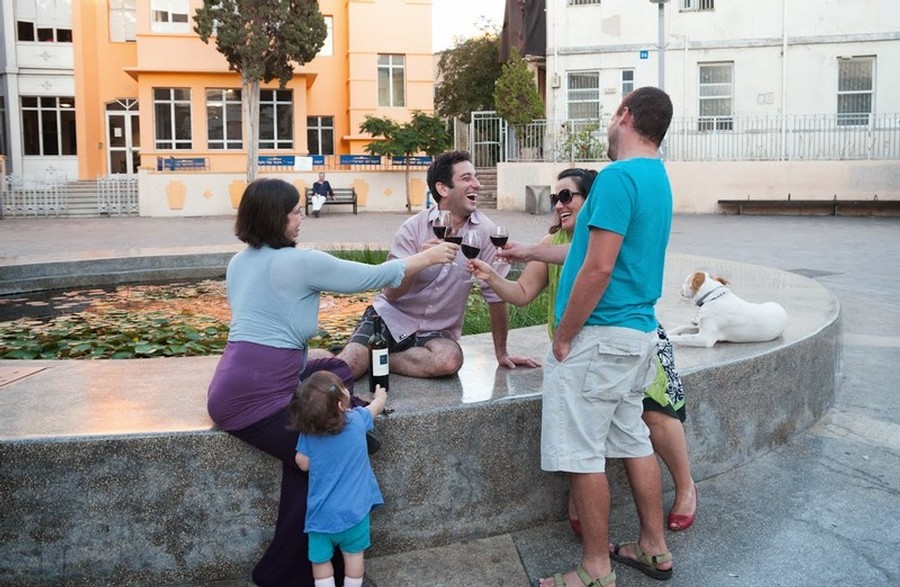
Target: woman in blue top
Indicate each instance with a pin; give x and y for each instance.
(273, 291)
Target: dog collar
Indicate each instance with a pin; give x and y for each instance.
(703, 299)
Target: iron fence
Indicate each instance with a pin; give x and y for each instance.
(734, 138)
(48, 196)
(117, 195)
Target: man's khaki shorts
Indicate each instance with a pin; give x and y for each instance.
(592, 401)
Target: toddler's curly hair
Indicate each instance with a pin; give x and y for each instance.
(316, 405)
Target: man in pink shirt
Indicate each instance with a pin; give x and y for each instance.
(423, 316)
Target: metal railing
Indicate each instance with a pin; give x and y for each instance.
(734, 138)
(48, 196)
(117, 195)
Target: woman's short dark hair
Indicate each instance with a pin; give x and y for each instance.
(441, 171)
(584, 179)
(315, 407)
(262, 213)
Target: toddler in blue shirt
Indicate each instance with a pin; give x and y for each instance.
(342, 486)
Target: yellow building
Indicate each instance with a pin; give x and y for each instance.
(146, 87)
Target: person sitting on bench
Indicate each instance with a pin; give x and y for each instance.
(321, 191)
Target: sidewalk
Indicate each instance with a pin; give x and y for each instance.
(814, 512)
(817, 511)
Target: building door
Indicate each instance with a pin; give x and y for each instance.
(123, 137)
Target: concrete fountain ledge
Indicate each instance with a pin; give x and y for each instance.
(111, 471)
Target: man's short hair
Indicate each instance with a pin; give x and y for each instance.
(651, 109)
(441, 170)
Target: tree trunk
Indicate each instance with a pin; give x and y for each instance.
(250, 106)
(406, 175)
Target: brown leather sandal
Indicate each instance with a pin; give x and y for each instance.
(586, 579)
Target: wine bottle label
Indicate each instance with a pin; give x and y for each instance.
(380, 362)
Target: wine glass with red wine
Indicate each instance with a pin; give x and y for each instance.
(499, 236)
(453, 235)
(441, 223)
(471, 246)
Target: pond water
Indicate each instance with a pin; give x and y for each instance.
(43, 306)
(188, 317)
(201, 297)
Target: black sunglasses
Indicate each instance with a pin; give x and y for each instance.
(564, 197)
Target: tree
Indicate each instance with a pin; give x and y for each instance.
(467, 75)
(515, 95)
(422, 134)
(262, 40)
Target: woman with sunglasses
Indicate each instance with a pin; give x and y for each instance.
(664, 410)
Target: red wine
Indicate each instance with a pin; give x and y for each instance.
(379, 357)
(470, 251)
(439, 231)
(457, 240)
(499, 241)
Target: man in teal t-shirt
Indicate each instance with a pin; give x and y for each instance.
(602, 355)
(631, 198)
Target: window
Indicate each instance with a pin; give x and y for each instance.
(48, 125)
(276, 119)
(169, 16)
(583, 92)
(583, 2)
(697, 5)
(320, 135)
(716, 96)
(44, 21)
(122, 20)
(172, 118)
(25, 30)
(223, 119)
(391, 80)
(627, 81)
(327, 49)
(856, 85)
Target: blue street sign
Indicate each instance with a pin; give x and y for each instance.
(645, 54)
(411, 160)
(276, 161)
(360, 160)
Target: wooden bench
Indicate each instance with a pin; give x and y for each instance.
(345, 196)
(833, 207)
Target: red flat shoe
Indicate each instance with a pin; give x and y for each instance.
(679, 522)
(575, 523)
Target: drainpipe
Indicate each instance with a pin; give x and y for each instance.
(555, 81)
(784, 57)
(661, 41)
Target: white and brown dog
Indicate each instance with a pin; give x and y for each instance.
(724, 316)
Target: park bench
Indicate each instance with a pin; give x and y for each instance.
(346, 196)
(819, 207)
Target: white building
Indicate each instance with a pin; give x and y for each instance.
(36, 61)
(774, 99)
(726, 59)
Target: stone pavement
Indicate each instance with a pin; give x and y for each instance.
(818, 511)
